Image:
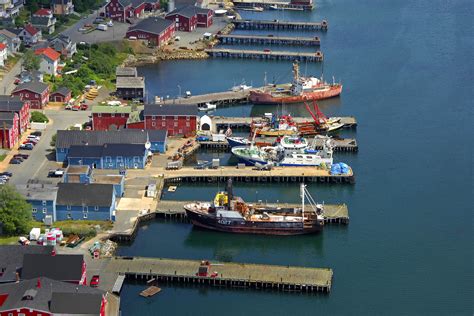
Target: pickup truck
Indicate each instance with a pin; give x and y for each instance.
(58, 173)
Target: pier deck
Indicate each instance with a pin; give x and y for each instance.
(268, 40)
(279, 25)
(282, 5)
(266, 55)
(219, 98)
(222, 122)
(244, 275)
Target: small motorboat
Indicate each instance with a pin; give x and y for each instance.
(207, 107)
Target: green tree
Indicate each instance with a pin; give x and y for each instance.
(15, 212)
(31, 61)
(38, 117)
(53, 140)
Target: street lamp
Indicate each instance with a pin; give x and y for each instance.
(179, 89)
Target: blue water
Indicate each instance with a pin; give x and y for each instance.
(407, 70)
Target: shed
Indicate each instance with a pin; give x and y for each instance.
(205, 123)
(62, 94)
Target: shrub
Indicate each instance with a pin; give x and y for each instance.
(39, 117)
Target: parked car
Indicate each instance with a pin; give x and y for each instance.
(27, 146)
(36, 133)
(4, 179)
(17, 81)
(58, 173)
(84, 107)
(15, 161)
(21, 156)
(6, 174)
(29, 141)
(95, 281)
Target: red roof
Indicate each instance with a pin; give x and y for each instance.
(48, 52)
(2, 46)
(31, 29)
(43, 12)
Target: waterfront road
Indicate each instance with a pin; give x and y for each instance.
(7, 83)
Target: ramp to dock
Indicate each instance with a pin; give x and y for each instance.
(118, 284)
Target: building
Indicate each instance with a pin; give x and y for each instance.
(44, 20)
(36, 93)
(126, 72)
(30, 35)
(177, 119)
(62, 7)
(3, 54)
(12, 39)
(10, 8)
(122, 10)
(63, 45)
(49, 60)
(78, 174)
(10, 104)
(67, 268)
(9, 129)
(105, 117)
(129, 88)
(189, 17)
(77, 201)
(109, 156)
(118, 181)
(42, 198)
(62, 94)
(156, 31)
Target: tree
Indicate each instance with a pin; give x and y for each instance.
(39, 117)
(15, 212)
(31, 61)
(53, 140)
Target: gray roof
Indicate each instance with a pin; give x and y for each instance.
(8, 103)
(151, 25)
(108, 178)
(8, 33)
(78, 194)
(112, 150)
(170, 109)
(12, 259)
(78, 169)
(16, 31)
(62, 91)
(76, 303)
(130, 82)
(34, 86)
(85, 151)
(157, 135)
(43, 299)
(188, 11)
(67, 138)
(57, 267)
(126, 72)
(39, 192)
(7, 117)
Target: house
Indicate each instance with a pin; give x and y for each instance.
(129, 88)
(156, 31)
(63, 45)
(30, 35)
(36, 93)
(10, 8)
(10, 104)
(62, 7)
(109, 156)
(189, 17)
(42, 198)
(34, 75)
(77, 201)
(67, 138)
(9, 129)
(177, 119)
(122, 10)
(49, 60)
(44, 20)
(126, 72)
(67, 268)
(3, 54)
(46, 297)
(62, 94)
(12, 38)
(105, 117)
(78, 174)
(118, 181)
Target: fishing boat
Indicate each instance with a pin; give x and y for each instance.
(207, 107)
(276, 7)
(300, 90)
(251, 155)
(229, 213)
(275, 127)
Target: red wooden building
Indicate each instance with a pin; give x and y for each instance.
(9, 132)
(177, 119)
(37, 93)
(189, 17)
(122, 10)
(62, 94)
(156, 31)
(10, 104)
(106, 118)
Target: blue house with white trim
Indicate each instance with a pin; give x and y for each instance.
(42, 198)
(77, 174)
(118, 181)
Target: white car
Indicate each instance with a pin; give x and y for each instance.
(37, 138)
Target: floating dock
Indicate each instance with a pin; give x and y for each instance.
(150, 291)
(265, 55)
(334, 213)
(281, 5)
(280, 25)
(268, 40)
(228, 274)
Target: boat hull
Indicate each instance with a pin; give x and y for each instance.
(261, 97)
(230, 225)
(237, 141)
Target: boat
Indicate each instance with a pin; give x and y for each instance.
(207, 107)
(241, 87)
(281, 126)
(300, 90)
(234, 141)
(250, 155)
(293, 142)
(229, 213)
(276, 7)
(255, 9)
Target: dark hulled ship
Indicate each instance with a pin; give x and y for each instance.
(228, 213)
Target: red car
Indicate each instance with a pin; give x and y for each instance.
(95, 281)
(17, 81)
(84, 107)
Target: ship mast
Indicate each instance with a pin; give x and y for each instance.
(296, 71)
(302, 194)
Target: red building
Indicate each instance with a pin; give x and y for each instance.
(156, 31)
(177, 119)
(9, 132)
(189, 17)
(37, 93)
(106, 118)
(10, 104)
(62, 94)
(122, 10)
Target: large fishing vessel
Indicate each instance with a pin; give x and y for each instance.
(302, 89)
(228, 213)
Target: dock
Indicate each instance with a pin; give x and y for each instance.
(265, 55)
(268, 40)
(280, 25)
(225, 275)
(150, 291)
(218, 98)
(243, 123)
(334, 213)
(282, 5)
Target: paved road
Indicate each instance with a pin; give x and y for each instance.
(7, 85)
(42, 157)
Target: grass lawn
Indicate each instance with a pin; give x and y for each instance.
(9, 240)
(2, 157)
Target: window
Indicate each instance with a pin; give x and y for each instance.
(153, 117)
(163, 124)
(44, 203)
(175, 124)
(180, 131)
(188, 124)
(45, 210)
(108, 159)
(187, 118)
(123, 115)
(36, 95)
(112, 115)
(99, 114)
(85, 208)
(96, 208)
(68, 207)
(119, 159)
(163, 118)
(84, 215)
(34, 210)
(153, 124)
(26, 95)
(175, 117)
(69, 216)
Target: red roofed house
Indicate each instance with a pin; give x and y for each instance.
(49, 60)
(3, 54)
(30, 35)
(44, 20)
(37, 93)
(9, 133)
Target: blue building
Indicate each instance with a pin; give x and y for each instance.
(42, 198)
(118, 181)
(109, 156)
(78, 174)
(66, 138)
(77, 201)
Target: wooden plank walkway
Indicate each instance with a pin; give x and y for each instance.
(244, 122)
(268, 40)
(229, 274)
(282, 5)
(279, 25)
(266, 55)
(220, 98)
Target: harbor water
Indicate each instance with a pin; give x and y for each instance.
(407, 70)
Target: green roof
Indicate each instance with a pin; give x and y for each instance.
(111, 109)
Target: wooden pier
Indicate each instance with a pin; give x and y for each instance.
(280, 25)
(265, 55)
(227, 275)
(268, 40)
(218, 98)
(333, 213)
(243, 123)
(282, 5)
